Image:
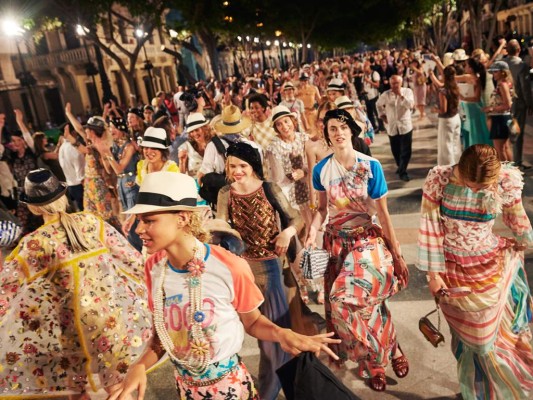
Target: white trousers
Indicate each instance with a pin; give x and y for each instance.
(449, 140)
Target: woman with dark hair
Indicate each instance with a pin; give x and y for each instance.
(365, 266)
(419, 86)
(478, 276)
(499, 109)
(285, 158)
(47, 158)
(449, 129)
(471, 86)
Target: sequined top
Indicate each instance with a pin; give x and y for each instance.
(258, 237)
(256, 219)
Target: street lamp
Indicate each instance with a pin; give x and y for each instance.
(148, 66)
(90, 68)
(12, 29)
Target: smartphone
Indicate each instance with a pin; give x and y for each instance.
(426, 56)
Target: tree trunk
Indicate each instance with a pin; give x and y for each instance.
(209, 43)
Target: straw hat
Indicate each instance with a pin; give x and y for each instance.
(447, 59)
(166, 191)
(195, 120)
(288, 85)
(41, 187)
(155, 138)
(231, 121)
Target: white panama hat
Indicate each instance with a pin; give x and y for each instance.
(155, 138)
(195, 120)
(166, 191)
(336, 84)
(344, 102)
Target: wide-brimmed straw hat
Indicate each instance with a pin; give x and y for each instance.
(195, 120)
(166, 191)
(41, 187)
(155, 138)
(280, 112)
(232, 121)
(336, 84)
(288, 86)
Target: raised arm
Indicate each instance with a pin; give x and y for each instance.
(26, 134)
(74, 121)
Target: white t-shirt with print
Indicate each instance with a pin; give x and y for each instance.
(228, 289)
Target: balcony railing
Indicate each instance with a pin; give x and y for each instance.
(75, 56)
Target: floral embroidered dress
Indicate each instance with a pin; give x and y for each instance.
(282, 160)
(491, 338)
(97, 197)
(65, 316)
(360, 274)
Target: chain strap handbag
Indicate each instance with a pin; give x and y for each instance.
(430, 332)
(314, 263)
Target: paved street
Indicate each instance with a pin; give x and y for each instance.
(432, 371)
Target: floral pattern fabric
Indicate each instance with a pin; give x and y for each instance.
(65, 316)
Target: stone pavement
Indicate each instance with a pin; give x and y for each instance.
(432, 371)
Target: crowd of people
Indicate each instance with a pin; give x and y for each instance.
(222, 185)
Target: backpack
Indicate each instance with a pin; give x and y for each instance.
(212, 182)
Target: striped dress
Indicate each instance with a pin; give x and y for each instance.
(490, 333)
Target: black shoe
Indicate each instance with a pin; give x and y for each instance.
(397, 170)
(405, 177)
(524, 167)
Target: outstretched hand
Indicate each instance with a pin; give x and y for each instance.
(295, 343)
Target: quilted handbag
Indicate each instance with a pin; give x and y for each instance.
(314, 263)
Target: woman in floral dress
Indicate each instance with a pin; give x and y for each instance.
(99, 186)
(490, 336)
(72, 302)
(286, 161)
(365, 266)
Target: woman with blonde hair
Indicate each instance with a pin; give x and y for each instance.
(191, 153)
(203, 299)
(72, 301)
(478, 276)
(499, 109)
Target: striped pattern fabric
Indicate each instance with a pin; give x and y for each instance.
(359, 279)
(491, 337)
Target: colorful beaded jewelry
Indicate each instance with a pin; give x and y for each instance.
(198, 357)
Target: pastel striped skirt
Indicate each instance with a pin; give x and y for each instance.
(359, 279)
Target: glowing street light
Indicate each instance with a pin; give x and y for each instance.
(11, 28)
(147, 64)
(268, 43)
(239, 38)
(276, 42)
(256, 40)
(308, 45)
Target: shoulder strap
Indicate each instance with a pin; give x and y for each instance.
(219, 145)
(269, 193)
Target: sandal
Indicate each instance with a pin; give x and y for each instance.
(378, 382)
(400, 365)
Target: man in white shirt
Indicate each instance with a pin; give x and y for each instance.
(394, 108)
(72, 162)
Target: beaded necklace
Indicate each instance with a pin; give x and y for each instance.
(198, 357)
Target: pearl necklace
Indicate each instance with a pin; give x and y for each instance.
(198, 357)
